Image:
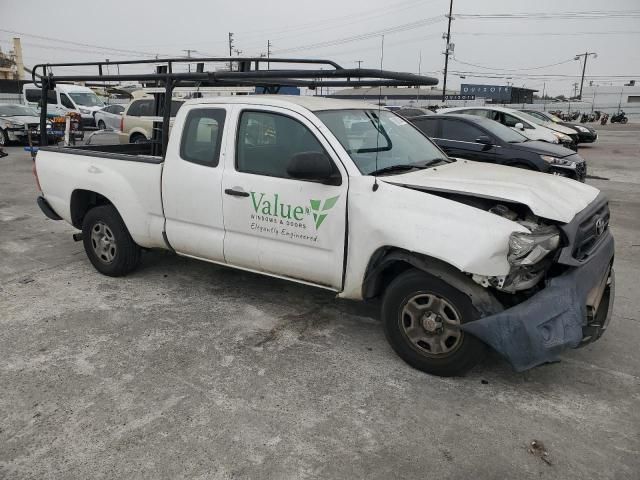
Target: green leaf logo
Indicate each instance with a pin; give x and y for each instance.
(318, 211)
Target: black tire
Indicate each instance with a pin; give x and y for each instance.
(467, 352)
(138, 138)
(4, 138)
(624, 120)
(120, 254)
(101, 125)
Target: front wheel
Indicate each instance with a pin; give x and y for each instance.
(624, 120)
(422, 316)
(107, 242)
(101, 125)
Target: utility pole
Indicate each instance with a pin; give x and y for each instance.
(268, 54)
(447, 52)
(584, 67)
(575, 90)
(544, 102)
(359, 62)
(189, 50)
(230, 50)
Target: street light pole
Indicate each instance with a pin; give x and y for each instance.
(584, 67)
(447, 53)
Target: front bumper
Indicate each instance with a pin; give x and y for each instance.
(21, 135)
(576, 172)
(587, 137)
(572, 310)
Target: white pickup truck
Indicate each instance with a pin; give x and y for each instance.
(349, 197)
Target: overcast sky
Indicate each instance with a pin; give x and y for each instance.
(501, 47)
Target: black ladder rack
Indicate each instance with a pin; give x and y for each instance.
(323, 73)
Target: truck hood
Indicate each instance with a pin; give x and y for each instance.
(548, 196)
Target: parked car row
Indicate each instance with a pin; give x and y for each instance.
(480, 139)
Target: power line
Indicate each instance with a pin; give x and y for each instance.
(593, 14)
(572, 59)
(365, 36)
(539, 34)
(59, 40)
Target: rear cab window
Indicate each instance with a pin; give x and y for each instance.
(202, 135)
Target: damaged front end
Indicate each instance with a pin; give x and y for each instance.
(561, 287)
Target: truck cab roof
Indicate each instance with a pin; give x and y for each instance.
(309, 102)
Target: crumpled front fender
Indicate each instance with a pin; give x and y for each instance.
(539, 329)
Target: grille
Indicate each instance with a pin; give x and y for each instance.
(590, 231)
(581, 169)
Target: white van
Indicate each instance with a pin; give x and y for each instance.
(65, 98)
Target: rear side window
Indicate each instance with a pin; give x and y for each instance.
(428, 126)
(201, 136)
(141, 108)
(460, 131)
(267, 142)
(33, 96)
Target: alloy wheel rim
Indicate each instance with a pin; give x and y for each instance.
(431, 324)
(103, 242)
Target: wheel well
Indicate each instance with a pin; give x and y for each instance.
(82, 201)
(389, 262)
(135, 135)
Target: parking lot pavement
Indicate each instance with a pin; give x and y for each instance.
(190, 370)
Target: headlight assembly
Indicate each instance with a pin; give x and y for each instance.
(582, 129)
(84, 110)
(527, 249)
(557, 161)
(15, 125)
(562, 137)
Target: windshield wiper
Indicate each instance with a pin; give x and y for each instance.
(401, 167)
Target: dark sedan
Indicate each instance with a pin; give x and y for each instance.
(480, 139)
(585, 134)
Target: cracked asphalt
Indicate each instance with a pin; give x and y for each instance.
(190, 370)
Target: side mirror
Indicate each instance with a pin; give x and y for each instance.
(314, 167)
(485, 140)
(519, 126)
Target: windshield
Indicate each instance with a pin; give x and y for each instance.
(367, 134)
(17, 111)
(532, 119)
(553, 117)
(86, 99)
(498, 130)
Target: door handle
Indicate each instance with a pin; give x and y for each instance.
(236, 193)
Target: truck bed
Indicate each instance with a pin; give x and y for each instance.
(125, 175)
(133, 152)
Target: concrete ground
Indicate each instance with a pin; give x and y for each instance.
(190, 370)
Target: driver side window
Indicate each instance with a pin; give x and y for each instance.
(66, 102)
(267, 141)
(511, 121)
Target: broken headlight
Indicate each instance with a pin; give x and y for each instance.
(529, 248)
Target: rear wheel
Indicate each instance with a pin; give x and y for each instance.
(107, 242)
(422, 316)
(138, 138)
